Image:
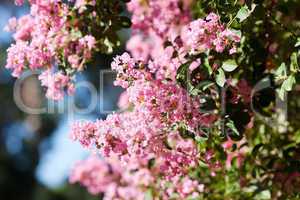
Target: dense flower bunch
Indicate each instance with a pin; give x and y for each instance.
(160, 17)
(117, 181)
(208, 33)
(156, 132)
(130, 181)
(53, 39)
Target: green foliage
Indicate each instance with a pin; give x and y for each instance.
(269, 50)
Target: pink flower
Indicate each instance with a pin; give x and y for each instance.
(19, 2)
(24, 28)
(239, 153)
(112, 179)
(17, 57)
(195, 64)
(123, 102)
(89, 41)
(44, 39)
(74, 61)
(228, 144)
(84, 132)
(12, 25)
(160, 17)
(128, 70)
(209, 34)
(139, 47)
(232, 50)
(56, 83)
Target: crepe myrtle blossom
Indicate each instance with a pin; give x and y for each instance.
(46, 38)
(123, 102)
(112, 178)
(116, 180)
(135, 135)
(152, 130)
(151, 145)
(56, 84)
(209, 33)
(161, 17)
(182, 188)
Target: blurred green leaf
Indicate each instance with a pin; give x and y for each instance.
(287, 85)
(229, 65)
(281, 72)
(220, 78)
(231, 126)
(244, 12)
(294, 67)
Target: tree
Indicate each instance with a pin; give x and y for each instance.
(202, 81)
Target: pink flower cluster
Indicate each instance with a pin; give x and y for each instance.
(128, 70)
(185, 37)
(185, 188)
(46, 38)
(56, 84)
(112, 179)
(133, 135)
(159, 16)
(209, 33)
(115, 180)
(151, 134)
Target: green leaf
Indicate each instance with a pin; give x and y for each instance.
(294, 67)
(263, 195)
(287, 85)
(205, 84)
(75, 34)
(109, 45)
(220, 78)
(229, 65)
(296, 136)
(297, 43)
(230, 124)
(185, 133)
(202, 164)
(182, 74)
(148, 195)
(201, 139)
(201, 87)
(256, 149)
(207, 65)
(281, 72)
(244, 12)
(237, 32)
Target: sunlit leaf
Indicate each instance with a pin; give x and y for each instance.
(229, 65)
(220, 77)
(245, 12)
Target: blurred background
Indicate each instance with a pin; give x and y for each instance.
(36, 153)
